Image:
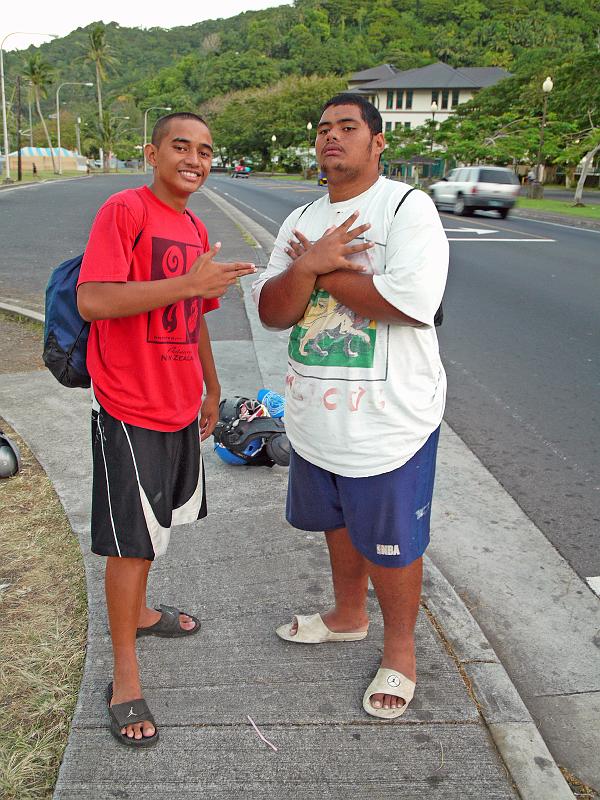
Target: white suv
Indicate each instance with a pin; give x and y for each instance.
(469, 189)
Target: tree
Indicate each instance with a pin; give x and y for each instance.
(244, 123)
(110, 134)
(584, 147)
(588, 160)
(39, 74)
(99, 54)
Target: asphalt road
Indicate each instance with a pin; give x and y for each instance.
(520, 340)
(520, 343)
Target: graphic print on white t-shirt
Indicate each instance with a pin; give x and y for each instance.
(331, 335)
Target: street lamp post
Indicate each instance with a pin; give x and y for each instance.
(547, 87)
(434, 108)
(152, 108)
(65, 83)
(273, 140)
(308, 130)
(4, 120)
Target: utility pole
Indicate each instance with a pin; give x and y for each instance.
(78, 134)
(19, 158)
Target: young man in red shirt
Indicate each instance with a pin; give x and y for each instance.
(147, 278)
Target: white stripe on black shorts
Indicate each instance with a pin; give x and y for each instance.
(145, 482)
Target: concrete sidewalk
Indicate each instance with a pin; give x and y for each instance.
(245, 571)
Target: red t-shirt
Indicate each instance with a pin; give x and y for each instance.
(145, 369)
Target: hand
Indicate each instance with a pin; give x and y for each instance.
(209, 413)
(208, 278)
(297, 248)
(331, 251)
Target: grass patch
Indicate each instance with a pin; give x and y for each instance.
(250, 240)
(29, 324)
(43, 630)
(292, 176)
(565, 207)
(43, 175)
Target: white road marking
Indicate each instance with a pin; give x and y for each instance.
(241, 202)
(485, 241)
(469, 230)
(594, 584)
(560, 225)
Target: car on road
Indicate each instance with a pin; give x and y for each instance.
(482, 188)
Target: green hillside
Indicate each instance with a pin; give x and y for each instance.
(207, 65)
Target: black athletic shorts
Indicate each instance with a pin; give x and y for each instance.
(144, 482)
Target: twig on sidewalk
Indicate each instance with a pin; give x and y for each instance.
(442, 758)
(265, 740)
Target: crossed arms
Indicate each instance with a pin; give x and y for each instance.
(324, 264)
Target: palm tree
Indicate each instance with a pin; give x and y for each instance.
(109, 133)
(39, 74)
(99, 54)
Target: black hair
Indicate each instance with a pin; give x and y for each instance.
(368, 112)
(160, 128)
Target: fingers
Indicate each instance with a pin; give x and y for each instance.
(210, 254)
(295, 250)
(351, 265)
(358, 248)
(237, 268)
(347, 223)
(301, 238)
(356, 232)
(207, 426)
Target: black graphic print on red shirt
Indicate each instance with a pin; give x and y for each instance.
(177, 323)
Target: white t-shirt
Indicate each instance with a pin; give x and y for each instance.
(362, 397)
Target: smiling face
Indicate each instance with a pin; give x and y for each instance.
(181, 160)
(346, 148)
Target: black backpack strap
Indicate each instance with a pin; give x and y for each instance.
(439, 314)
(304, 209)
(403, 199)
(191, 216)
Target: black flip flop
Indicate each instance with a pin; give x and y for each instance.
(123, 714)
(168, 625)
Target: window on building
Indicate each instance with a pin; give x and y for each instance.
(407, 126)
(399, 98)
(409, 98)
(435, 95)
(455, 96)
(388, 127)
(445, 95)
(390, 100)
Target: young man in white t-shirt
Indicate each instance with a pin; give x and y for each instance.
(359, 274)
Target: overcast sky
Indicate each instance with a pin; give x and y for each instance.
(63, 16)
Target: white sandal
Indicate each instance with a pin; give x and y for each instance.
(312, 630)
(388, 681)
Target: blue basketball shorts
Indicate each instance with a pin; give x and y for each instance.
(387, 516)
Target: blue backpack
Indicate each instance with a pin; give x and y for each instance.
(65, 331)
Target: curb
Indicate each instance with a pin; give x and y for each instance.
(513, 730)
(17, 311)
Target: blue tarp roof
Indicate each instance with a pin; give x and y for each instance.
(40, 152)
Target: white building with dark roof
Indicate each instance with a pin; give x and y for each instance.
(405, 98)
